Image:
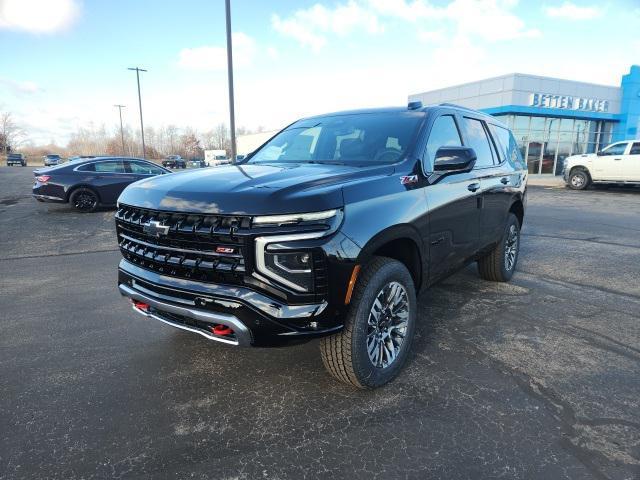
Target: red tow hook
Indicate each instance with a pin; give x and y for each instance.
(221, 330)
(140, 305)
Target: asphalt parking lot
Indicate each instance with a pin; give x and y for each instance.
(539, 378)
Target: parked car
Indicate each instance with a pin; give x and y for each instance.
(618, 163)
(196, 163)
(16, 159)
(174, 161)
(328, 230)
(87, 184)
(216, 158)
(52, 159)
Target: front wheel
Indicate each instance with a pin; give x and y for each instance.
(579, 179)
(375, 342)
(84, 200)
(499, 265)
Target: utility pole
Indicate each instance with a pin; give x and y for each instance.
(120, 107)
(138, 70)
(232, 115)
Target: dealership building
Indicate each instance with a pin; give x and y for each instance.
(552, 118)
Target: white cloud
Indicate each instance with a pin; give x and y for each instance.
(490, 20)
(431, 36)
(310, 26)
(38, 16)
(571, 11)
(209, 57)
(411, 11)
(14, 86)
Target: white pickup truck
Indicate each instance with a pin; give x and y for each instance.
(616, 163)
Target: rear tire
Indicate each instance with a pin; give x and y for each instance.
(84, 200)
(499, 265)
(379, 327)
(579, 179)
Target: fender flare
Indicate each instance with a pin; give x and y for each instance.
(397, 232)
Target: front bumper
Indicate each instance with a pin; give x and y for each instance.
(255, 319)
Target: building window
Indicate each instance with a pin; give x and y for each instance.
(546, 141)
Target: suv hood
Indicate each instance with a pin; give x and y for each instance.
(250, 189)
(581, 157)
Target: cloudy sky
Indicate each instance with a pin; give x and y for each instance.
(64, 62)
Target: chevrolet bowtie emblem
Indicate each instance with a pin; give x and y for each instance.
(155, 228)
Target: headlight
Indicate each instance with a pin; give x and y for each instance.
(294, 218)
(292, 268)
(277, 260)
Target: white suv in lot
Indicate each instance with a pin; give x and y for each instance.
(616, 163)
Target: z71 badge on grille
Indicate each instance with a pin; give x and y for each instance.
(155, 228)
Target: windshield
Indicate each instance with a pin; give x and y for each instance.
(357, 139)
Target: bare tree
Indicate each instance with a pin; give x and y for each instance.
(218, 138)
(11, 135)
(171, 135)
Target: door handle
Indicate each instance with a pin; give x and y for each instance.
(473, 187)
(504, 180)
(617, 159)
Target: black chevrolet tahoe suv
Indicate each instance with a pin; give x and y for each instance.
(327, 230)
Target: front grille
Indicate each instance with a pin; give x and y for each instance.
(192, 247)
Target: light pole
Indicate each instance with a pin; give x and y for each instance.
(120, 107)
(232, 116)
(138, 70)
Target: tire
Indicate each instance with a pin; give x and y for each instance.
(84, 200)
(346, 354)
(579, 179)
(500, 264)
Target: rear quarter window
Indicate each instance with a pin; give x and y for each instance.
(476, 138)
(90, 167)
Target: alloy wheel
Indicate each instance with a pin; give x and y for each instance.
(511, 248)
(387, 325)
(85, 201)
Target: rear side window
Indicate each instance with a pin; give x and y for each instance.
(89, 167)
(141, 168)
(444, 133)
(113, 166)
(476, 138)
(501, 136)
(507, 145)
(635, 149)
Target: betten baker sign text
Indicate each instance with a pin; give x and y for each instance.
(568, 102)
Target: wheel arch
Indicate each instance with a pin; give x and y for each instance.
(401, 243)
(580, 167)
(82, 185)
(517, 208)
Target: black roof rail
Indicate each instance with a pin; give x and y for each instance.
(456, 106)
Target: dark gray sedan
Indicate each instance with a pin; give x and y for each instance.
(93, 182)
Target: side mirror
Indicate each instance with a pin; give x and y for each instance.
(600, 153)
(454, 160)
